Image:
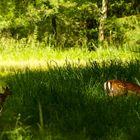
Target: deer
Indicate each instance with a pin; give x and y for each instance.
(120, 87)
(3, 96)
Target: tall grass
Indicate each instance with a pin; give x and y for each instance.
(69, 103)
(32, 53)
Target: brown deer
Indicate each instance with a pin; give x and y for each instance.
(3, 97)
(119, 87)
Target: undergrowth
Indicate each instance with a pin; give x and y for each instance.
(69, 103)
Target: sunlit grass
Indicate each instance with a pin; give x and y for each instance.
(18, 55)
(47, 54)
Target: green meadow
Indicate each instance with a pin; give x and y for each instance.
(58, 94)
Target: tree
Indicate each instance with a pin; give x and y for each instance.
(102, 19)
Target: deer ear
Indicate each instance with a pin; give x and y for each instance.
(1, 108)
(3, 88)
(7, 88)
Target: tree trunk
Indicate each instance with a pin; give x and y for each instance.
(102, 20)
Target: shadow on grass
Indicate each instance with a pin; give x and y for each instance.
(73, 100)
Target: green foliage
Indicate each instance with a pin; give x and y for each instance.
(121, 31)
(121, 8)
(67, 23)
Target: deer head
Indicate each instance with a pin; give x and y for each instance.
(3, 97)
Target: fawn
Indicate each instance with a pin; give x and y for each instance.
(3, 97)
(119, 87)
